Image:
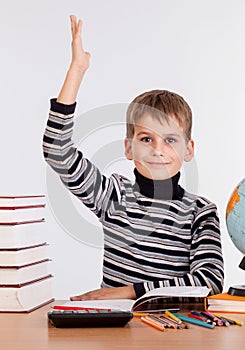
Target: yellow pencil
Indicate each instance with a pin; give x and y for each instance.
(238, 323)
(175, 318)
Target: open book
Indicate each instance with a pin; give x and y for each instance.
(133, 305)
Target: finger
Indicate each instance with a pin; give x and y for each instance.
(85, 296)
(73, 20)
(76, 298)
(79, 26)
(87, 54)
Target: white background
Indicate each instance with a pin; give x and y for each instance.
(195, 48)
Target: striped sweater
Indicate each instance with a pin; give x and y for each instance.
(152, 237)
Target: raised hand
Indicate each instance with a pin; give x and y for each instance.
(79, 65)
(80, 58)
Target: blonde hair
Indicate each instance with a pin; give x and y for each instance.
(160, 104)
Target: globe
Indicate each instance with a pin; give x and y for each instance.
(235, 222)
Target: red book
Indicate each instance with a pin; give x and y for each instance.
(16, 201)
(23, 256)
(26, 297)
(20, 235)
(14, 215)
(16, 276)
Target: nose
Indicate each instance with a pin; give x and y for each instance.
(158, 148)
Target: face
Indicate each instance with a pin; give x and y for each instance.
(158, 149)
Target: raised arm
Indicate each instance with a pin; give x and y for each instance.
(79, 65)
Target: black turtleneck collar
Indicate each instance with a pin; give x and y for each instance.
(158, 189)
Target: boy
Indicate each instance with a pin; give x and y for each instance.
(155, 233)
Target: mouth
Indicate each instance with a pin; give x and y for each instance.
(158, 164)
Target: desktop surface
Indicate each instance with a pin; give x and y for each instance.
(32, 331)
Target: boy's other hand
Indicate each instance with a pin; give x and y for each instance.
(126, 292)
(80, 58)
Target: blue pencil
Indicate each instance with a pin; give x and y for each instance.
(194, 321)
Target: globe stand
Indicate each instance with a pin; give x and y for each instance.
(238, 290)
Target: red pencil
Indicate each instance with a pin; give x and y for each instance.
(63, 307)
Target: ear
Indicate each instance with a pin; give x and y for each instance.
(128, 148)
(189, 154)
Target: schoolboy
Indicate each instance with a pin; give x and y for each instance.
(156, 234)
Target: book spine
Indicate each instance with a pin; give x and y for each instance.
(22, 207)
(15, 223)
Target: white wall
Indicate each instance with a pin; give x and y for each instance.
(195, 48)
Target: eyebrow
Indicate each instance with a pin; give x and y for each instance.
(152, 132)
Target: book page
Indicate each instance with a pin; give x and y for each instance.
(185, 291)
(169, 292)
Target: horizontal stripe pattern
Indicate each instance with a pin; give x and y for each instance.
(147, 242)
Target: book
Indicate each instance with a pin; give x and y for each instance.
(27, 297)
(19, 275)
(16, 201)
(23, 256)
(22, 235)
(133, 305)
(13, 215)
(224, 302)
(25, 281)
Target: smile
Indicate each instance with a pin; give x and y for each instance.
(157, 164)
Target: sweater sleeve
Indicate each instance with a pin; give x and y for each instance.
(78, 174)
(206, 261)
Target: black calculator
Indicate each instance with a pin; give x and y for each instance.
(88, 318)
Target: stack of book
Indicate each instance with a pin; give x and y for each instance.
(25, 280)
(225, 302)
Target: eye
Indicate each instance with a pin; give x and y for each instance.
(146, 139)
(170, 140)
